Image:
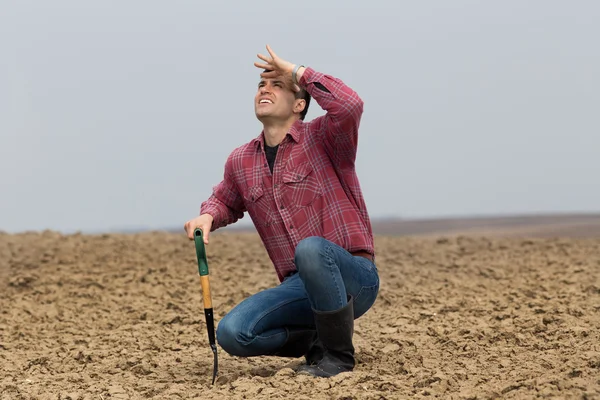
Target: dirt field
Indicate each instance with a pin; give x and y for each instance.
(120, 317)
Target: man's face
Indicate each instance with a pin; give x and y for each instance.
(274, 100)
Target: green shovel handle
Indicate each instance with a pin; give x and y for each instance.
(200, 252)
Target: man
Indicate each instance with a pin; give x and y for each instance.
(298, 183)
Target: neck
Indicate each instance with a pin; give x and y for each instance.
(275, 131)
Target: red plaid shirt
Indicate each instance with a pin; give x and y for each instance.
(313, 190)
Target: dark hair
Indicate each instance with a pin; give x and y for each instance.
(301, 94)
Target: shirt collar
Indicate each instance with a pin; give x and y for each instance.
(294, 133)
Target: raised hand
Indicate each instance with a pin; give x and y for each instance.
(277, 67)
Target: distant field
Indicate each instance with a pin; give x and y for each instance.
(568, 225)
(583, 225)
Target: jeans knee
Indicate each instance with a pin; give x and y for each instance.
(230, 337)
(309, 252)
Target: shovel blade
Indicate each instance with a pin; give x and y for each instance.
(216, 363)
(210, 326)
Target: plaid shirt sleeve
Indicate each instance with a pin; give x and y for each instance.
(344, 110)
(225, 204)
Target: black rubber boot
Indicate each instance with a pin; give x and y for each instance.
(298, 344)
(335, 330)
(315, 353)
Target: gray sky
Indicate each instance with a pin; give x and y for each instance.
(117, 114)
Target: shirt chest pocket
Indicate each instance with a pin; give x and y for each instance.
(301, 186)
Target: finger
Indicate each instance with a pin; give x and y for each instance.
(270, 74)
(264, 58)
(271, 52)
(263, 66)
(206, 231)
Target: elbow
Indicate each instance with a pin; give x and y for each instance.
(353, 111)
(360, 101)
(357, 112)
(358, 106)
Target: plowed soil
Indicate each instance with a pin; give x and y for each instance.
(120, 316)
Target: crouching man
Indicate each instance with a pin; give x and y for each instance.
(297, 181)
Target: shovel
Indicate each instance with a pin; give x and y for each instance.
(204, 282)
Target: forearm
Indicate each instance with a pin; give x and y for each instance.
(221, 214)
(340, 101)
(225, 204)
(339, 127)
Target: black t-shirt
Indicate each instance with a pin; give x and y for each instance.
(271, 152)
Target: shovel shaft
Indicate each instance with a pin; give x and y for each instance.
(206, 297)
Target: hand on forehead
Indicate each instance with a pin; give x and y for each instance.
(281, 79)
(275, 67)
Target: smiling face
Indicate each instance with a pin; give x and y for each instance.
(276, 102)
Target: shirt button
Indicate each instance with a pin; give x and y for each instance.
(291, 226)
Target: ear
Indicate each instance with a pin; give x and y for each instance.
(299, 105)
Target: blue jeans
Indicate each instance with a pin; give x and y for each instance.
(326, 274)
